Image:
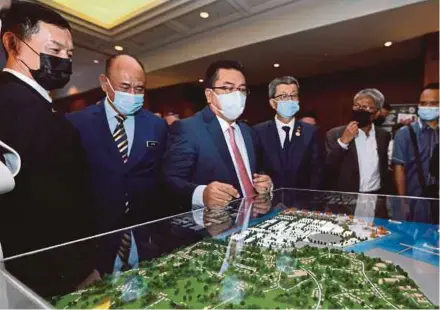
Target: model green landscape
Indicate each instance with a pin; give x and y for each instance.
(293, 260)
(254, 277)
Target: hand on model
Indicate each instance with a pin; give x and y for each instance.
(218, 195)
(262, 183)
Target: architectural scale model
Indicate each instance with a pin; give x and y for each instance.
(297, 259)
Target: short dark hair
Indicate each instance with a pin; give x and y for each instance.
(211, 74)
(311, 114)
(109, 62)
(284, 80)
(387, 107)
(433, 86)
(22, 19)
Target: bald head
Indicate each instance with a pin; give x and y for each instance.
(123, 73)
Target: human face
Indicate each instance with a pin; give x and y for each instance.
(126, 75)
(50, 40)
(284, 92)
(232, 80)
(429, 98)
(366, 103)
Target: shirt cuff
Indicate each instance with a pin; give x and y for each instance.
(197, 197)
(342, 144)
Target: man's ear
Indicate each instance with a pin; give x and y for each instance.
(10, 43)
(104, 83)
(273, 104)
(208, 95)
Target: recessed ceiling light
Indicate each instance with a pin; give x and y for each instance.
(200, 80)
(388, 43)
(204, 15)
(96, 61)
(119, 48)
(276, 65)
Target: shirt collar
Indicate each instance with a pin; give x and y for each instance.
(372, 132)
(110, 112)
(280, 124)
(31, 83)
(224, 124)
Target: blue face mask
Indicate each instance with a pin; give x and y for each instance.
(125, 103)
(428, 113)
(287, 109)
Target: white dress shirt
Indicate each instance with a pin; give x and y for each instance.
(197, 198)
(30, 82)
(281, 132)
(368, 160)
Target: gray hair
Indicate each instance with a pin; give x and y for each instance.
(286, 80)
(373, 93)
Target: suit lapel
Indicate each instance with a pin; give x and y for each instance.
(215, 130)
(352, 153)
(141, 131)
(249, 147)
(274, 143)
(104, 134)
(297, 137)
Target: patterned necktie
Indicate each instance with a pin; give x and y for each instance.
(121, 140)
(248, 188)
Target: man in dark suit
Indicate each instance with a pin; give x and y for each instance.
(289, 150)
(356, 159)
(211, 158)
(124, 145)
(50, 202)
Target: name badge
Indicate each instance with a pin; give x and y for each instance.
(152, 143)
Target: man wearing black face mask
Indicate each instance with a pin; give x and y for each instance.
(356, 159)
(49, 203)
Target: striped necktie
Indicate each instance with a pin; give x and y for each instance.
(121, 140)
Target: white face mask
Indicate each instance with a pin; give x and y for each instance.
(231, 105)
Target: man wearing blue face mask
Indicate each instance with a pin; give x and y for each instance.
(289, 149)
(124, 146)
(211, 158)
(414, 146)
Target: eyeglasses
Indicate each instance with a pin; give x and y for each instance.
(285, 97)
(228, 89)
(364, 107)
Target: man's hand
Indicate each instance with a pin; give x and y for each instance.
(261, 205)
(218, 195)
(350, 132)
(262, 183)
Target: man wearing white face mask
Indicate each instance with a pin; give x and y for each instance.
(211, 158)
(289, 147)
(124, 146)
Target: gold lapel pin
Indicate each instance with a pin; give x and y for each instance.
(298, 131)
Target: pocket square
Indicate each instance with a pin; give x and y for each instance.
(152, 143)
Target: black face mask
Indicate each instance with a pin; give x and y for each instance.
(380, 120)
(362, 117)
(54, 72)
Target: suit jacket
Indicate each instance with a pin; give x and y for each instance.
(197, 154)
(50, 202)
(303, 168)
(113, 182)
(342, 166)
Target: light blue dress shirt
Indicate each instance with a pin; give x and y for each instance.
(110, 113)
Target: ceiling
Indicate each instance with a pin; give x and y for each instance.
(143, 25)
(342, 46)
(104, 13)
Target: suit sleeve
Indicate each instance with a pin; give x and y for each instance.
(179, 162)
(316, 168)
(334, 153)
